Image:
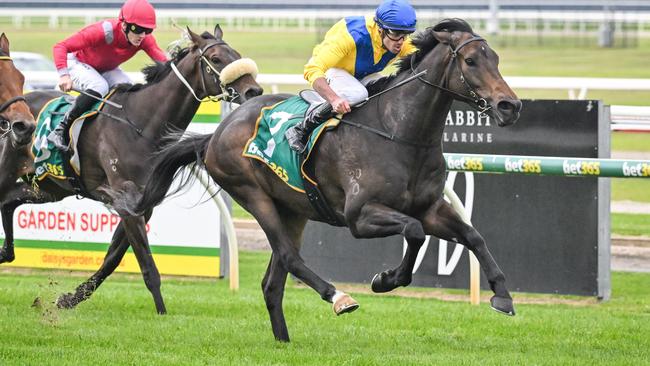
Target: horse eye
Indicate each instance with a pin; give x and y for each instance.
(470, 62)
(215, 60)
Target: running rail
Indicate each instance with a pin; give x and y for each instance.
(533, 165)
(545, 165)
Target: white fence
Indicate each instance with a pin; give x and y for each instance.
(519, 22)
(624, 118)
(629, 118)
(571, 84)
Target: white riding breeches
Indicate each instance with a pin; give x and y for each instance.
(86, 77)
(347, 86)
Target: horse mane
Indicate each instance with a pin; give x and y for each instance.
(156, 72)
(424, 41)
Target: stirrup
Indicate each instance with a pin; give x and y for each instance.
(59, 143)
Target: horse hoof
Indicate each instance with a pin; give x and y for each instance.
(345, 304)
(503, 305)
(378, 284)
(6, 257)
(66, 301)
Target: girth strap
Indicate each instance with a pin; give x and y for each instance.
(316, 198)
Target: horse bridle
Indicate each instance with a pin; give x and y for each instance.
(5, 123)
(227, 94)
(479, 102)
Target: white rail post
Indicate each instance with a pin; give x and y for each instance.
(233, 250)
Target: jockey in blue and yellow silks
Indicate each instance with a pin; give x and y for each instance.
(354, 50)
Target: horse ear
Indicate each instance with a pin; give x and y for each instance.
(443, 37)
(196, 39)
(218, 33)
(4, 44)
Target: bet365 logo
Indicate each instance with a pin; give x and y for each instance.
(636, 170)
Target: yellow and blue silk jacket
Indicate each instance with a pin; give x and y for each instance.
(353, 44)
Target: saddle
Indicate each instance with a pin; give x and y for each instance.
(65, 168)
(269, 146)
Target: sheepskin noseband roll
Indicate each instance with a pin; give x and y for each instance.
(237, 69)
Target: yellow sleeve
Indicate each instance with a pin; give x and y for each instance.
(338, 43)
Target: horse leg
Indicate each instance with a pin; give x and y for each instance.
(20, 194)
(115, 253)
(7, 210)
(137, 235)
(283, 231)
(444, 222)
(273, 289)
(377, 220)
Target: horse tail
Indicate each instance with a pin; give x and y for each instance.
(186, 151)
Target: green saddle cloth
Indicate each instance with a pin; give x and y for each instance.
(47, 159)
(269, 145)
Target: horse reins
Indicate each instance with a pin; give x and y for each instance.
(210, 69)
(6, 105)
(480, 103)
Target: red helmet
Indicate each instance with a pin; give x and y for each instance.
(138, 12)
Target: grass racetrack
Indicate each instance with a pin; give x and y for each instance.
(208, 324)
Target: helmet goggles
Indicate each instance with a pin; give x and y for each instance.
(396, 35)
(134, 28)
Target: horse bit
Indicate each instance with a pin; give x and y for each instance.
(5, 124)
(227, 94)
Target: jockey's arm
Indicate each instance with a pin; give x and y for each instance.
(336, 46)
(150, 46)
(89, 36)
(339, 105)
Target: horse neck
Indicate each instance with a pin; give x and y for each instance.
(171, 103)
(418, 112)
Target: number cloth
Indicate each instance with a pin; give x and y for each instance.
(269, 145)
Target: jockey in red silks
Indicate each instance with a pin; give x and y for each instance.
(89, 60)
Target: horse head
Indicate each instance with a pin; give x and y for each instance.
(473, 72)
(223, 72)
(16, 120)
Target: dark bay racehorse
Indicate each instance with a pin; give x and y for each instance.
(115, 150)
(375, 186)
(16, 122)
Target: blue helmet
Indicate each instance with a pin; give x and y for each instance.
(397, 15)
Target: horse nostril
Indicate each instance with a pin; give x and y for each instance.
(22, 128)
(253, 92)
(507, 106)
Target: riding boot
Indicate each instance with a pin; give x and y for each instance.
(81, 104)
(298, 135)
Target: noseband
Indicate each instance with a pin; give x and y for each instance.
(473, 99)
(227, 94)
(5, 124)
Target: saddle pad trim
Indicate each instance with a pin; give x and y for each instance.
(331, 123)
